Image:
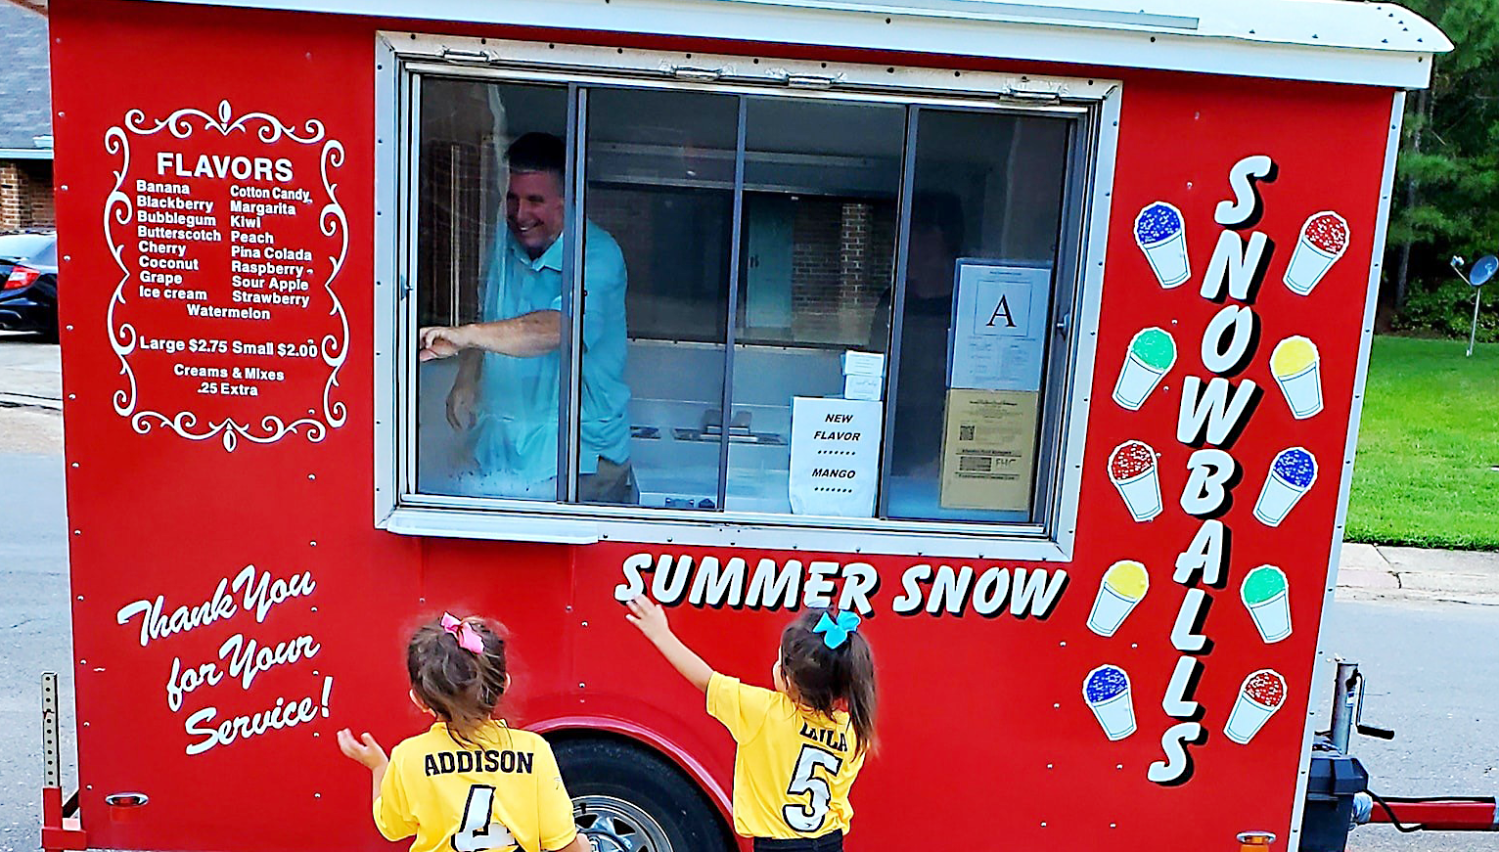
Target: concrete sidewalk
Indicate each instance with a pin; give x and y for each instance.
(1384, 572)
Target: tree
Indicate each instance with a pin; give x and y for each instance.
(1447, 195)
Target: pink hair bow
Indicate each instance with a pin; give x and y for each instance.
(468, 638)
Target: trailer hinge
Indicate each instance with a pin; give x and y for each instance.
(1035, 91)
(808, 81)
(477, 57)
(701, 75)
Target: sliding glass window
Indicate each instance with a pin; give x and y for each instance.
(695, 300)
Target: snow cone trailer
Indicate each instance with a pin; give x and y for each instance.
(1033, 333)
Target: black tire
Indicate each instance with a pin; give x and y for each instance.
(628, 798)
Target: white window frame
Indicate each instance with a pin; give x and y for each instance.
(398, 509)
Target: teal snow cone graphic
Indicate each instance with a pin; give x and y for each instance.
(1106, 689)
(1267, 597)
(1291, 475)
(1161, 232)
(1151, 354)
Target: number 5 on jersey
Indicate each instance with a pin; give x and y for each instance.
(805, 782)
(477, 833)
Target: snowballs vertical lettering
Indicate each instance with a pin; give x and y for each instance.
(242, 657)
(1213, 411)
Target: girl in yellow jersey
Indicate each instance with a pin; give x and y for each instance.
(470, 783)
(799, 747)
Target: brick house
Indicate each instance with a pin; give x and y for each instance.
(26, 131)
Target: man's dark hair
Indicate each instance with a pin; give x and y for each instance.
(538, 152)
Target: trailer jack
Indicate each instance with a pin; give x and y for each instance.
(1339, 798)
(61, 828)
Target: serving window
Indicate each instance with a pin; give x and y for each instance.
(642, 292)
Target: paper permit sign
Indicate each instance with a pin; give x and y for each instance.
(835, 456)
(989, 449)
(998, 339)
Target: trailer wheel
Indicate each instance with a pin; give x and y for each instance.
(629, 799)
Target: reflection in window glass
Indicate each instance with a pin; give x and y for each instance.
(659, 202)
(489, 287)
(821, 183)
(984, 226)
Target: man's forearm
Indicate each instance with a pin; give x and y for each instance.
(525, 336)
(470, 364)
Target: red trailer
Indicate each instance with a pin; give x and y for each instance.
(1035, 333)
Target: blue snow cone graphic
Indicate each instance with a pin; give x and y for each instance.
(1158, 221)
(1296, 466)
(1104, 683)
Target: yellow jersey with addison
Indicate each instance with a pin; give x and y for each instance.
(502, 791)
(793, 768)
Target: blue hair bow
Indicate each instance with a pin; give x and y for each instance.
(836, 631)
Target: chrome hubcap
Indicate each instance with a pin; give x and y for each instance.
(615, 825)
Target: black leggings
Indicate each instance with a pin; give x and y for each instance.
(830, 842)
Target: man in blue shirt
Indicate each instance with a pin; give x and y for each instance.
(506, 392)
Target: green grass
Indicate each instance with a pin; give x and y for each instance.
(1427, 447)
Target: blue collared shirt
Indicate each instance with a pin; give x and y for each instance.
(516, 432)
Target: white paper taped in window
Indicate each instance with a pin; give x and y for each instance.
(998, 339)
(835, 456)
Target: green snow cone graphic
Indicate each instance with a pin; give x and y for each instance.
(1267, 597)
(1151, 355)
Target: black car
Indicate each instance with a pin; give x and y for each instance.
(28, 296)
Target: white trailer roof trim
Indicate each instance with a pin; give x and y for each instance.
(1338, 41)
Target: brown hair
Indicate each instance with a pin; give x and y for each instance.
(461, 687)
(821, 677)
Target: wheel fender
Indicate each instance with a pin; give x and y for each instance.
(652, 738)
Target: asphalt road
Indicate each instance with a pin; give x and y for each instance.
(1432, 674)
(1432, 667)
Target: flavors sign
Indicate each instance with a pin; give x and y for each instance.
(229, 239)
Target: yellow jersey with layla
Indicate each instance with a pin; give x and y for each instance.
(793, 768)
(502, 791)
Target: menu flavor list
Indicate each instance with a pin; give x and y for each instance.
(229, 239)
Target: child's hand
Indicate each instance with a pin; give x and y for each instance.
(648, 615)
(365, 749)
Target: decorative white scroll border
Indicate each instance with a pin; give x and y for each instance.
(123, 337)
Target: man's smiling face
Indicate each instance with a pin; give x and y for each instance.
(533, 209)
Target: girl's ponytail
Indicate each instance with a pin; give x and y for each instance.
(860, 693)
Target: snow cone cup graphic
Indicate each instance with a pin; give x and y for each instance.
(1151, 355)
(1297, 368)
(1106, 689)
(1261, 695)
(1267, 597)
(1132, 468)
(1291, 475)
(1323, 240)
(1123, 585)
(1161, 233)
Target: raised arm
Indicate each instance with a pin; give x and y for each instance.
(648, 615)
(525, 336)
